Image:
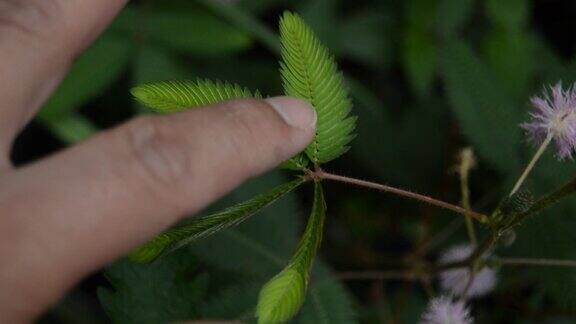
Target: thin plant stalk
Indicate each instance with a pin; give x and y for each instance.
(537, 262)
(532, 163)
(466, 164)
(320, 174)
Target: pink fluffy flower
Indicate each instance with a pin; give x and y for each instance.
(446, 310)
(554, 117)
(457, 281)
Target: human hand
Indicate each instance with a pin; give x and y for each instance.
(73, 212)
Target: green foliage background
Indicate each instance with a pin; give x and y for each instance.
(427, 77)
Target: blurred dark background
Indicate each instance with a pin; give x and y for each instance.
(427, 77)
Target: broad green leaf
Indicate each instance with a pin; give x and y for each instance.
(205, 226)
(322, 17)
(153, 64)
(368, 37)
(511, 55)
(282, 297)
(246, 21)
(419, 46)
(92, 73)
(452, 14)
(173, 96)
(181, 25)
(511, 15)
(166, 292)
(510, 48)
(310, 72)
(195, 32)
(419, 58)
(488, 115)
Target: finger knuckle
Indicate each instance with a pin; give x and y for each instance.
(158, 154)
(23, 17)
(252, 125)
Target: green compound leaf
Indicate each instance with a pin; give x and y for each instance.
(173, 96)
(310, 72)
(208, 225)
(281, 298)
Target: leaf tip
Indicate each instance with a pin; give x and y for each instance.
(141, 93)
(281, 298)
(151, 250)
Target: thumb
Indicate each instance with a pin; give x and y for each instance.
(102, 198)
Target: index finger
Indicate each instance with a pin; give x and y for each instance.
(38, 41)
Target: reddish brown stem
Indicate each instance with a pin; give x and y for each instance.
(320, 174)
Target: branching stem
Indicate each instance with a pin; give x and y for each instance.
(320, 174)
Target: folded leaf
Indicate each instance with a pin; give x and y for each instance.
(310, 72)
(299, 162)
(208, 225)
(281, 298)
(172, 96)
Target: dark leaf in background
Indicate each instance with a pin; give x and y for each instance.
(367, 37)
(511, 15)
(452, 15)
(327, 301)
(154, 64)
(205, 35)
(94, 71)
(509, 47)
(489, 117)
(164, 292)
(419, 46)
(386, 144)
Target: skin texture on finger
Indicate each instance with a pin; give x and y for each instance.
(39, 39)
(72, 213)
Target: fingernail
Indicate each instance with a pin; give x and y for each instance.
(297, 113)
